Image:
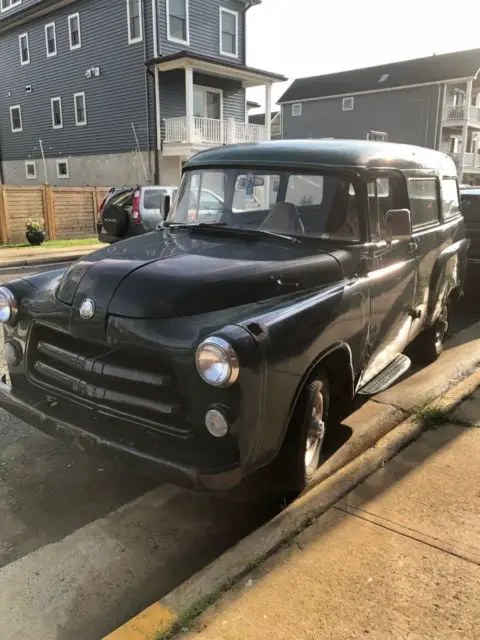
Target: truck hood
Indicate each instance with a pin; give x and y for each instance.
(181, 273)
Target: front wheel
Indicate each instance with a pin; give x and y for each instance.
(430, 343)
(302, 452)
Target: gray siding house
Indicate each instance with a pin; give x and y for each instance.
(432, 102)
(101, 92)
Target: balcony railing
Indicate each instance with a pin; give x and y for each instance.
(462, 113)
(471, 161)
(209, 131)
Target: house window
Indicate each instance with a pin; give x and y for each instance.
(24, 49)
(177, 21)
(80, 109)
(5, 5)
(297, 109)
(16, 118)
(424, 206)
(62, 169)
(50, 40)
(135, 24)
(228, 33)
(347, 104)
(379, 136)
(458, 98)
(207, 103)
(30, 170)
(57, 116)
(454, 144)
(74, 31)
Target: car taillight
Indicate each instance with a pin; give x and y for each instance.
(136, 208)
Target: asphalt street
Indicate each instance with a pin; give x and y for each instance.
(85, 544)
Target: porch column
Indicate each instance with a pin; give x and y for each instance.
(268, 111)
(468, 104)
(189, 124)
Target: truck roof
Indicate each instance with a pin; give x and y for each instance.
(310, 154)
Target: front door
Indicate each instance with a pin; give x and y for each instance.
(392, 277)
(207, 103)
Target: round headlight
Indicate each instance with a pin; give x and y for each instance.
(8, 306)
(217, 362)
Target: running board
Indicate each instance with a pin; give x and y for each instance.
(387, 376)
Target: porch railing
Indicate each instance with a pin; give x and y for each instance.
(461, 113)
(471, 160)
(210, 131)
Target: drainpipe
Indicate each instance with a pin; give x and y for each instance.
(158, 130)
(147, 87)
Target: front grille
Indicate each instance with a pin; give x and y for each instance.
(128, 383)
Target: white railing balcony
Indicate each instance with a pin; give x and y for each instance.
(471, 160)
(212, 132)
(461, 113)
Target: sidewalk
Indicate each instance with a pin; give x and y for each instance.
(24, 256)
(398, 558)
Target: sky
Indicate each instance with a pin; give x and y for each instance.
(299, 38)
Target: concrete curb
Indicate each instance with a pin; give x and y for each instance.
(45, 260)
(164, 618)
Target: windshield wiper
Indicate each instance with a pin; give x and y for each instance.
(223, 226)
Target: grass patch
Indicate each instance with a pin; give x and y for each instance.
(432, 416)
(54, 244)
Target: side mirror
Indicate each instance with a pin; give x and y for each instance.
(398, 223)
(165, 202)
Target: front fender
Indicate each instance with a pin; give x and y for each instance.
(448, 274)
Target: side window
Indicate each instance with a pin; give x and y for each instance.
(450, 203)
(423, 195)
(383, 194)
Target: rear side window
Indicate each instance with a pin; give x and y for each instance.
(423, 195)
(451, 205)
(152, 198)
(384, 193)
(471, 208)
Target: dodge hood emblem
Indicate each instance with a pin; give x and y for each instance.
(87, 309)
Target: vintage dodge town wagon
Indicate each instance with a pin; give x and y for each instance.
(233, 337)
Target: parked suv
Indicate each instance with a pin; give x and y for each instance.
(210, 349)
(130, 211)
(470, 199)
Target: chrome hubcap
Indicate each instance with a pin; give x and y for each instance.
(316, 433)
(442, 326)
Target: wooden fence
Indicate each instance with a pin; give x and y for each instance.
(67, 212)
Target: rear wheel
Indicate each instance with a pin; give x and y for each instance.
(430, 343)
(302, 452)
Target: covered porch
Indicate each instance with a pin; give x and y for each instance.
(206, 120)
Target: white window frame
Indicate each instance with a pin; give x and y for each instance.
(71, 18)
(16, 106)
(205, 89)
(20, 37)
(59, 100)
(31, 163)
(295, 111)
(371, 133)
(81, 94)
(233, 13)
(13, 3)
(47, 26)
(350, 100)
(140, 37)
(58, 162)
(187, 15)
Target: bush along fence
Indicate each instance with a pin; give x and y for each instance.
(67, 212)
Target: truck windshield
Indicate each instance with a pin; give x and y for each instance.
(297, 204)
